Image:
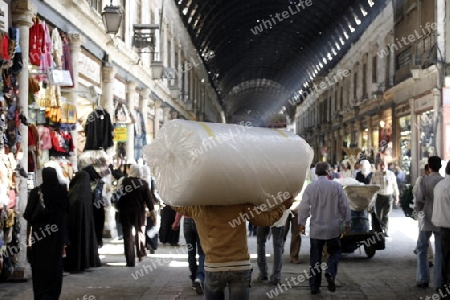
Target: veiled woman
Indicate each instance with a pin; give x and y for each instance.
(48, 235)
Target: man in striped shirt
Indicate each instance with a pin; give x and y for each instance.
(388, 190)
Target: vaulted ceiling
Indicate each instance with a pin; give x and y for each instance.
(260, 53)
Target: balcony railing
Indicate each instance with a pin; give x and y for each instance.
(419, 55)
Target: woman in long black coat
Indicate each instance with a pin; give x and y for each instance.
(82, 253)
(48, 236)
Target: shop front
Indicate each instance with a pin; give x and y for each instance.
(446, 124)
(385, 151)
(426, 123)
(404, 143)
(122, 118)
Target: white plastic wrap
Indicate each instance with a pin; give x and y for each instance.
(198, 163)
(361, 197)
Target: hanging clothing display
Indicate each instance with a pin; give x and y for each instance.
(140, 134)
(57, 48)
(46, 55)
(99, 130)
(36, 42)
(67, 56)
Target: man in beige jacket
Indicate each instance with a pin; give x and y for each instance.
(223, 236)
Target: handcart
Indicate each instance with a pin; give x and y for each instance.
(361, 200)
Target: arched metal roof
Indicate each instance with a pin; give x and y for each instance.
(262, 52)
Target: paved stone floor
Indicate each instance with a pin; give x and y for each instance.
(164, 275)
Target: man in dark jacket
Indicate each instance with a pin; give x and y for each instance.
(135, 197)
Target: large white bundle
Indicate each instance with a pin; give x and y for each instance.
(198, 163)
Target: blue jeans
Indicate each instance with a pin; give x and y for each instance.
(423, 270)
(277, 238)
(238, 283)
(315, 259)
(194, 247)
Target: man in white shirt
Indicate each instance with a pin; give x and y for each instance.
(388, 190)
(441, 218)
(326, 203)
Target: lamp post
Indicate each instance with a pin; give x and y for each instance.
(112, 17)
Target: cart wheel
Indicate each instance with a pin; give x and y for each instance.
(370, 251)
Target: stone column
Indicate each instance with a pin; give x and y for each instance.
(172, 58)
(437, 109)
(22, 14)
(414, 143)
(173, 115)
(165, 48)
(75, 40)
(158, 35)
(358, 135)
(107, 103)
(143, 108)
(107, 98)
(131, 93)
(338, 143)
(369, 134)
(157, 106)
(166, 114)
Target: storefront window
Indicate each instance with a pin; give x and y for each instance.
(405, 144)
(427, 143)
(385, 143)
(365, 140)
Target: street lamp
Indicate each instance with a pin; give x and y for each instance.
(112, 17)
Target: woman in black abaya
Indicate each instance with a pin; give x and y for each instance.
(48, 236)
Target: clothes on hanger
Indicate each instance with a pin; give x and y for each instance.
(98, 130)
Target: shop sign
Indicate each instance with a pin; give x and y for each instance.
(424, 103)
(90, 69)
(4, 14)
(402, 109)
(120, 134)
(119, 89)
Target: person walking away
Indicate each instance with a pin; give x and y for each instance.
(223, 234)
(277, 237)
(388, 190)
(99, 201)
(194, 246)
(47, 235)
(153, 219)
(441, 218)
(326, 203)
(166, 234)
(132, 204)
(292, 223)
(414, 191)
(423, 205)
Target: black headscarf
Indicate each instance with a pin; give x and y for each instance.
(52, 189)
(49, 177)
(92, 173)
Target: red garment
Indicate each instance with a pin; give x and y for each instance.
(5, 48)
(32, 137)
(56, 142)
(67, 137)
(62, 141)
(36, 43)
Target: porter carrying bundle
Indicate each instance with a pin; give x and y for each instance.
(198, 163)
